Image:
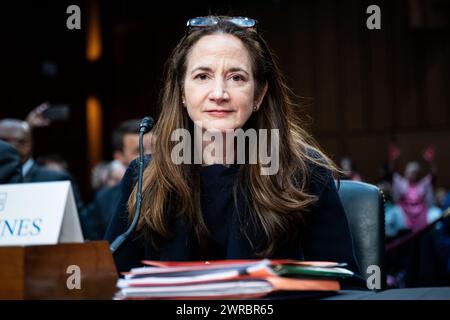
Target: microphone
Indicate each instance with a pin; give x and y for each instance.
(145, 126)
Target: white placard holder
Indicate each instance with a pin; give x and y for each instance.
(38, 214)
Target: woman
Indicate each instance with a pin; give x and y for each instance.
(414, 196)
(222, 77)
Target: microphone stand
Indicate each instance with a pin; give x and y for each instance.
(145, 125)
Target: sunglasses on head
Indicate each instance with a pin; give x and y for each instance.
(203, 22)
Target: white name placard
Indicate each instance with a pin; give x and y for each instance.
(38, 213)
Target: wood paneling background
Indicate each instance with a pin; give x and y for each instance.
(360, 88)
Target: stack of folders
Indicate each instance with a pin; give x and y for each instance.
(229, 279)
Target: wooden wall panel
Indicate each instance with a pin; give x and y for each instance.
(368, 153)
(362, 88)
(303, 55)
(379, 111)
(326, 66)
(406, 72)
(352, 83)
(435, 91)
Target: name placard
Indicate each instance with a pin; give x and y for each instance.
(38, 213)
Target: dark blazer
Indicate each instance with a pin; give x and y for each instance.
(327, 237)
(99, 212)
(10, 166)
(39, 173)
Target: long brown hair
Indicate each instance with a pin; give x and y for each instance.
(277, 203)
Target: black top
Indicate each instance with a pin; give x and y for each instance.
(326, 237)
(216, 192)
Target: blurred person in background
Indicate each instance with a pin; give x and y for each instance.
(349, 169)
(443, 197)
(114, 173)
(10, 164)
(99, 176)
(125, 142)
(414, 194)
(18, 133)
(421, 255)
(442, 239)
(53, 162)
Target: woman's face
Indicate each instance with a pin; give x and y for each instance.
(219, 88)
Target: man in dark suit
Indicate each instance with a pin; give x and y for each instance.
(18, 134)
(10, 165)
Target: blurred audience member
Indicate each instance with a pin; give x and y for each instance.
(421, 248)
(114, 173)
(349, 170)
(107, 174)
(414, 195)
(385, 175)
(18, 134)
(446, 202)
(443, 198)
(125, 141)
(394, 220)
(10, 164)
(53, 162)
(442, 238)
(99, 176)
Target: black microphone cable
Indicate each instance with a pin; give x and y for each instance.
(145, 126)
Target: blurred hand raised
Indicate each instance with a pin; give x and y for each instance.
(36, 117)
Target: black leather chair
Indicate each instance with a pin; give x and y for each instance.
(364, 205)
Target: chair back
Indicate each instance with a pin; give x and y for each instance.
(364, 206)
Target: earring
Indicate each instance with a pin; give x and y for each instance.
(255, 108)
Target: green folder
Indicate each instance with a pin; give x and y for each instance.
(306, 271)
